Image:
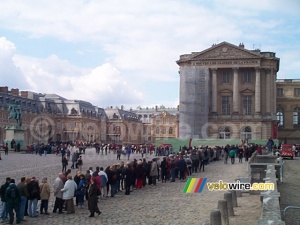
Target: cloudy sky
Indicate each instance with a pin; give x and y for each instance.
(123, 52)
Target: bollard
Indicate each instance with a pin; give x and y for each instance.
(215, 217)
(228, 198)
(222, 206)
(239, 194)
(234, 199)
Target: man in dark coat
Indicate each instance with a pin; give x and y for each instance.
(33, 196)
(13, 200)
(3, 201)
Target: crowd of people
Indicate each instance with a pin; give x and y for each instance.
(91, 185)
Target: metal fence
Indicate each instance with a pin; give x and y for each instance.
(291, 215)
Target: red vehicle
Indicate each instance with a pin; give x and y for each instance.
(286, 150)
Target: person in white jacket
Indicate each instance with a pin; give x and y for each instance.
(68, 194)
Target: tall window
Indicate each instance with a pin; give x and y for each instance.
(297, 92)
(157, 121)
(164, 130)
(247, 77)
(224, 133)
(164, 120)
(279, 115)
(296, 116)
(157, 130)
(170, 130)
(246, 133)
(279, 92)
(247, 103)
(226, 77)
(225, 105)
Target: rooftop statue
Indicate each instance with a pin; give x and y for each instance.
(15, 113)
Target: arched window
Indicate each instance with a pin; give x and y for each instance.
(296, 117)
(246, 133)
(224, 133)
(279, 116)
(170, 130)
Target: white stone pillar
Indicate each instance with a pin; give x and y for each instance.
(235, 91)
(257, 91)
(214, 90)
(268, 91)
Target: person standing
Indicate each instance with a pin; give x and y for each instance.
(6, 149)
(64, 164)
(128, 174)
(80, 163)
(57, 186)
(119, 152)
(93, 198)
(232, 154)
(153, 171)
(45, 195)
(81, 190)
(13, 199)
(24, 195)
(74, 159)
(103, 182)
(164, 167)
(68, 194)
(33, 196)
(241, 153)
(128, 152)
(226, 154)
(3, 201)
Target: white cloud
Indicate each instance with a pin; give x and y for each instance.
(101, 86)
(10, 74)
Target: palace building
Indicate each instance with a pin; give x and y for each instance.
(228, 92)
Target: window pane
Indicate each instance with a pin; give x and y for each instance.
(225, 105)
(247, 103)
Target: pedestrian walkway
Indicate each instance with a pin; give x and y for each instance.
(164, 203)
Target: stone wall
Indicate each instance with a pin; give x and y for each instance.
(270, 211)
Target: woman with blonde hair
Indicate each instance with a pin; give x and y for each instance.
(45, 195)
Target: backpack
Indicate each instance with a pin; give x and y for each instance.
(13, 193)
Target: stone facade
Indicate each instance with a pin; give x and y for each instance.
(288, 110)
(159, 122)
(226, 93)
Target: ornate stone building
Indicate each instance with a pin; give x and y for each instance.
(159, 122)
(288, 110)
(228, 92)
(49, 117)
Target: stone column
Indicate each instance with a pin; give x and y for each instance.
(274, 77)
(257, 91)
(268, 91)
(214, 90)
(235, 91)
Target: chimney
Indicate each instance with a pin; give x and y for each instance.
(241, 45)
(122, 107)
(156, 108)
(24, 94)
(4, 89)
(14, 91)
